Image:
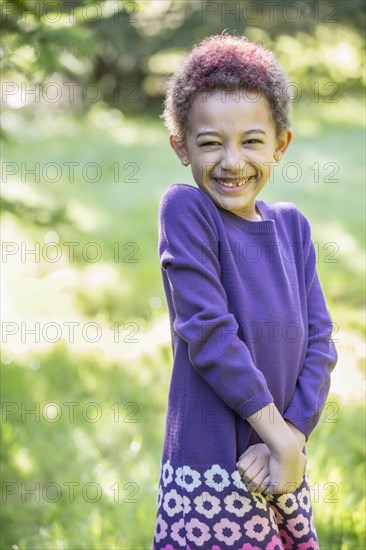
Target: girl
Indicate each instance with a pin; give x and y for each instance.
(251, 333)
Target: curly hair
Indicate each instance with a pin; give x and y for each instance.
(231, 63)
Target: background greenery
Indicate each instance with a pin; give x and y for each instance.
(124, 51)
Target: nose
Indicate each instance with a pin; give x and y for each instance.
(233, 162)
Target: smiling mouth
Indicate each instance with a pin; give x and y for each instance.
(234, 183)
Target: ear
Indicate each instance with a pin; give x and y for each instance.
(282, 142)
(180, 150)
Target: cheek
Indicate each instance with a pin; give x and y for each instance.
(202, 167)
(263, 159)
(197, 171)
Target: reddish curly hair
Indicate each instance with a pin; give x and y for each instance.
(231, 63)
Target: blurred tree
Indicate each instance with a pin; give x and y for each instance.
(128, 49)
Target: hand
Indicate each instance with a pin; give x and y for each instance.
(253, 466)
(286, 471)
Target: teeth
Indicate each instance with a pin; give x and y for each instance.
(232, 184)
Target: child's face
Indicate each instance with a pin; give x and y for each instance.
(239, 146)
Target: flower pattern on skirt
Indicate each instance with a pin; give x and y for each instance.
(210, 508)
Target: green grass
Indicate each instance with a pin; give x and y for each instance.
(112, 504)
(115, 452)
(37, 448)
(109, 211)
(336, 453)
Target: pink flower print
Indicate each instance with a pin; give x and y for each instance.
(257, 527)
(197, 532)
(299, 526)
(173, 503)
(207, 504)
(287, 503)
(168, 547)
(287, 540)
(304, 499)
(167, 473)
(237, 504)
(217, 477)
(227, 531)
(160, 529)
(275, 543)
(248, 546)
(311, 544)
(176, 534)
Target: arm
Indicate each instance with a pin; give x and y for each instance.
(299, 435)
(313, 384)
(201, 316)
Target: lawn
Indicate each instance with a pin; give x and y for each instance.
(90, 451)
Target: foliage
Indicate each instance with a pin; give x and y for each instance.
(128, 49)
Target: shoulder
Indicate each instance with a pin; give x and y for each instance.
(292, 222)
(182, 195)
(183, 204)
(289, 214)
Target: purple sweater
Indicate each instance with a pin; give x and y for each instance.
(249, 324)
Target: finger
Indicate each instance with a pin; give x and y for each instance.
(253, 450)
(258, 482)
(253, 472)
(245, 463)
(248, 451)
(263, 485)
(259, 464)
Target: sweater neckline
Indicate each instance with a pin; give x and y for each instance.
(266, 225)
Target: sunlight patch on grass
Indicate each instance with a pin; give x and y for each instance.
(39, 307)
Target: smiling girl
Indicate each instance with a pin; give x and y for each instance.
(251, 333)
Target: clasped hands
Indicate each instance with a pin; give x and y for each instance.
(272, 473)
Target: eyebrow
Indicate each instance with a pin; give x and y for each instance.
(248, 132)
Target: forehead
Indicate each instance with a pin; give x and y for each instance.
(227, 111)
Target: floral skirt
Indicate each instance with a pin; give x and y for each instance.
(211, 509)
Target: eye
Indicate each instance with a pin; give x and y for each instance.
(209, 143)
(251, 141)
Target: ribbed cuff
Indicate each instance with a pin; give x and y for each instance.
(303, 423)
(254, 403)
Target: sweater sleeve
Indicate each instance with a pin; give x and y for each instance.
(313, 384)
(188, 250)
